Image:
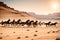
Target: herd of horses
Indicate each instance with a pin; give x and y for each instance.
(27, 22)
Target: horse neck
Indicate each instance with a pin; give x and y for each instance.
(49, 22)
(18, 21)
(8, 20)
(27, 21)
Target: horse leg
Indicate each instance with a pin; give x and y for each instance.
(28, 25)
(55, 25)
(40, 24)
(34, 26)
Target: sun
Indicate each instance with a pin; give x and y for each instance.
(54, 6)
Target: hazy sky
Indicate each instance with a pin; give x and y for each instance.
(37, 6)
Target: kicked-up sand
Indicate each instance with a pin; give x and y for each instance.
(38, 33)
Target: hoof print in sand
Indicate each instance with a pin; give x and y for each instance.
(57, 38)
(13, 32)
(53, 31)
(1, 33)
(36, 31)
(18, 37)
(26, 37)
(48, 32)
(28, 30)
(35, 34)
(0, 37)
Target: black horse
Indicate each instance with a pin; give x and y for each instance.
(5, 23)
(30, 23)
(18, 21)
(47, 24)
(53, 24)
(35, 23)
(24, 23)
(41, 23)
(13, 22)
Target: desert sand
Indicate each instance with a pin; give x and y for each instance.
(38, 33)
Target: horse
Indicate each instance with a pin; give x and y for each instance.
(35, 23)
(5, 22)
(24, 23)
(30, 23)
(13, 22)
(47, 24)
(18, 21)
(53, 24)
(1, 22)
(41, 23)
(27, 22)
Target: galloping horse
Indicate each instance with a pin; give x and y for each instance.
(30, 23)
(47, 24)
(13, 22)
(53, 24)
(5, 22)
(27, 22)
(18, 21)
(41, 23)
(35, 23)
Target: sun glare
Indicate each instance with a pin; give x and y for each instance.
(54, 6)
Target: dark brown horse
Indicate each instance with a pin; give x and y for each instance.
(24, 23)
(18, 21)
(41, 23)
(30, 23)
(35, 24)
(47, 24)
(53, 24)
(5, 23)
(13, 22)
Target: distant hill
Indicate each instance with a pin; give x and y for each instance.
(10, 13)
(55, 16)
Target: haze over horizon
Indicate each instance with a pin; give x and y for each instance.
(40, 7)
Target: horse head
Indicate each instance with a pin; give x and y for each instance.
(49, 22)
(27, 21)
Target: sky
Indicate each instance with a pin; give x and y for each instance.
(40, 7)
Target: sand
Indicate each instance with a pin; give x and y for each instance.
(38, 33)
